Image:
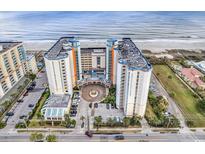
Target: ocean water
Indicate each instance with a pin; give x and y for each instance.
(102, 25)
(179, 27)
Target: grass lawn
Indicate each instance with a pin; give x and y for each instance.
(181, 94)
(33, 121)
(41, 103)
(149, 111)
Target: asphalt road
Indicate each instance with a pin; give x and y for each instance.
(32, 98)
(152, 137)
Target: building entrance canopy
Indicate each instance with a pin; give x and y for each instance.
(94, 80)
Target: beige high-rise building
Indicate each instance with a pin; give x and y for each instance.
(31, 65)
(12, 65)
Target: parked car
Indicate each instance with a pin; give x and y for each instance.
(22, 116)
(20, 100)
(90, 105)
(9, 114)
(119, 137)
(108, 106)
(74, 105)
(33, 84)
(74, 111)
(31, 105)
(96, 105)
(89, 133)
(30, 88)
(73, 108)
(72, 115)
(112, 106)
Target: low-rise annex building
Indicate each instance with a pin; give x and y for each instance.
(55, 107)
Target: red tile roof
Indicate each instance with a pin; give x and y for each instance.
(193, 75)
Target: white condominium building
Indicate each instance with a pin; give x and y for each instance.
(133, 78)
(63, 65)
(121, 63)
(12, 65)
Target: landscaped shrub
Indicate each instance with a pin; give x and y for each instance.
(20, 125)
(2, 124)
(155, 116)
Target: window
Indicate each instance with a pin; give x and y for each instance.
(98, 60)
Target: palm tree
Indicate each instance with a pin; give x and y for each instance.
(67, 120)
(36, 137)
(98, 121)
(110, 122)
(51, 138)
(126, 121)
(73, 122)
(82, 118)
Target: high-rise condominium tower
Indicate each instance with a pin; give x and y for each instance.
(133, 78)
(63, 65)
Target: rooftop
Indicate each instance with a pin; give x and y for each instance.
(60, 48)
(132, 56)
(200, 65)
(193, 75)
(29, 56)
(4, 46)
(57, 101)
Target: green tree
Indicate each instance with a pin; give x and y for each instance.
(201, 104)
(67, 121)
(110, 122)
(31, 76)
(2, 124)
(126, 121)
(36, 137)
(169, 77)
(135, 120)
(172, 94)
(190, 123)
(73, 122)
(20, 125)
(82, 118)
(51, 138)
(98, 121)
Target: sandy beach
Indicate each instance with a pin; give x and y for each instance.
(156, 46)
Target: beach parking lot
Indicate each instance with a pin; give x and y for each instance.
(32, 98)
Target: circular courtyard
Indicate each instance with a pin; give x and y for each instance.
(93, 92)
